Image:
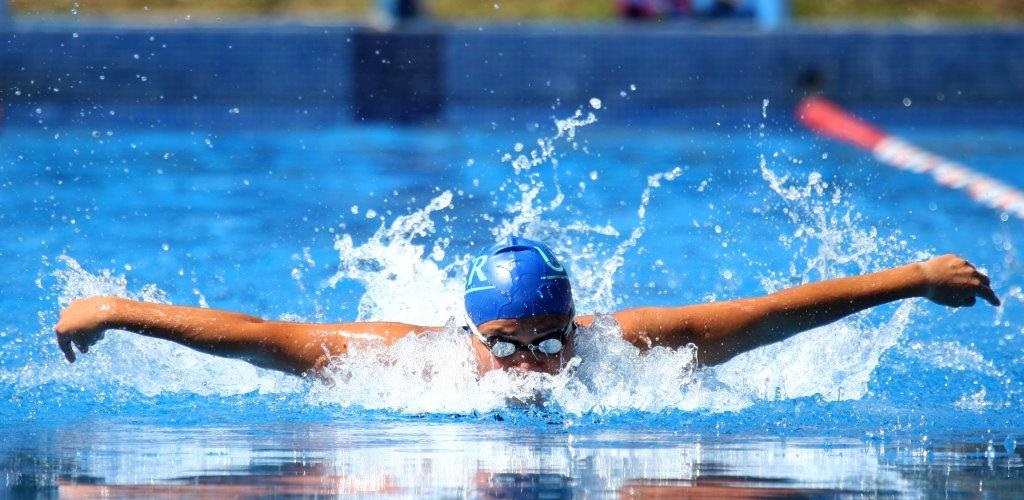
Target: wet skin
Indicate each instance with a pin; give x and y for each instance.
(720, 330)
(523, 332)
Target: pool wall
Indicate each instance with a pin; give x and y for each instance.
(420, 73)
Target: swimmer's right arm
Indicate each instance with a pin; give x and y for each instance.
(296, 348)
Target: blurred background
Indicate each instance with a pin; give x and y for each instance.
(417, 61)
(338, 160)
(990, 11)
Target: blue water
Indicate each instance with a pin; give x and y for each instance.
(376, 222)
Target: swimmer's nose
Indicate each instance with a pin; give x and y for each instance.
(526, 366)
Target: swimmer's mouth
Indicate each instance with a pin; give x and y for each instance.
(538, 398)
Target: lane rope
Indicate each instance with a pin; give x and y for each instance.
(828, 119)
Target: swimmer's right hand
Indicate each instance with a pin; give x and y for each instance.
(82, 324)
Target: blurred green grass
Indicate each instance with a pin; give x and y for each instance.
(997, 11)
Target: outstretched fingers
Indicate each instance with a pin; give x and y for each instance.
(983, 286)
(985, 292)
(65, 346)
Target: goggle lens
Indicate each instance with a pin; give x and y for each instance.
(550, 346)
(503, 348)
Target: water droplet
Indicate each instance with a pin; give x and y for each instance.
(593, 175)
(595, 103)
(907, 102)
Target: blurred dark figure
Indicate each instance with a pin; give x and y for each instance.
(724, 9)
(649, 9)
(769, 14)
(400, 10)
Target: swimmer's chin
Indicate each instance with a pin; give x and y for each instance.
(552, 369)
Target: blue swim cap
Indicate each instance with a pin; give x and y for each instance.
(515, 279)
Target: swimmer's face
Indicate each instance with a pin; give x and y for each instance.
(524, 332)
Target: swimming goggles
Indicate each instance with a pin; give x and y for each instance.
(501, 347)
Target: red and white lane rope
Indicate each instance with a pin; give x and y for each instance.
(828, 119)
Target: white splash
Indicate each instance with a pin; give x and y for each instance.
(438, 373)
(395, 270)
(411, 275)
(130, 361)
(545, 151)
(974, 401)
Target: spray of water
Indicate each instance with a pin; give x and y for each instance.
(835, 361)
(128, 363)
(410, 275)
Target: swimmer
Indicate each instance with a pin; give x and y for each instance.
(519, 314)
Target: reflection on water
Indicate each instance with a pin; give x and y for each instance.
(413, 459)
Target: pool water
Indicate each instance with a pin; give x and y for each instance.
(346, 223)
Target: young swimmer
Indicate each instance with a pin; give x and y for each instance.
(519, 311)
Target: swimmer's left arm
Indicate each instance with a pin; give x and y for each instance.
(722, 330)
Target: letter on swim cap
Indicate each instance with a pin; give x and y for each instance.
(476, 270)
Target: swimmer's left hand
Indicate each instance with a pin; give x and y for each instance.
(952, 281)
